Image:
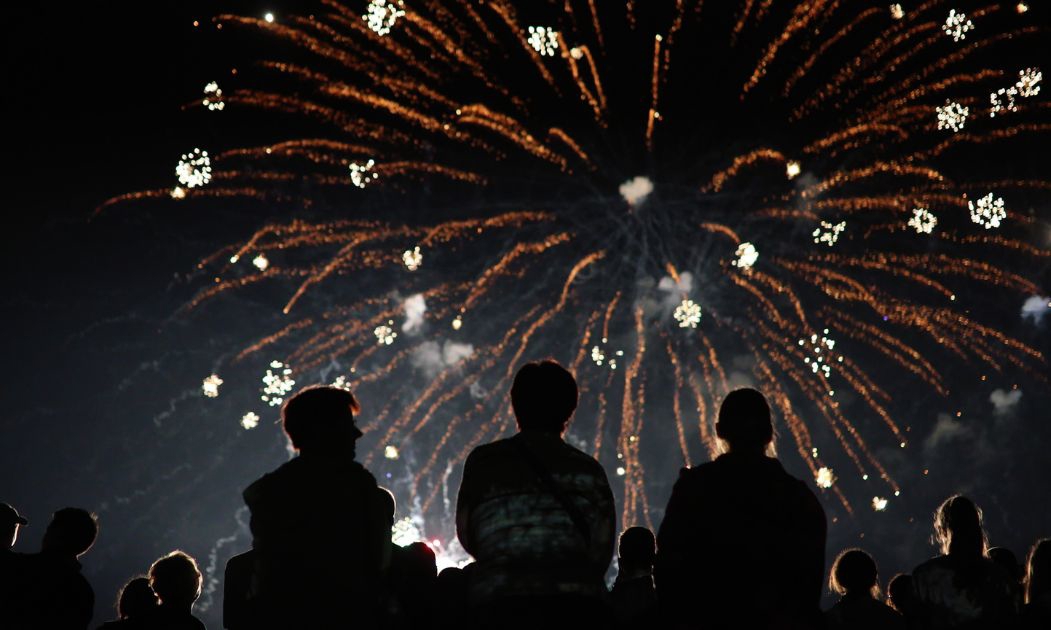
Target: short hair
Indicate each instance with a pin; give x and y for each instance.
(958, 528)
(900, 593)
(1038, 571)
(73, 530)
(543, 396)
(316, 414)
(854, 571)
(637, 545)
(744, 420)
(387, 502)
(176, 579)
(136, 598)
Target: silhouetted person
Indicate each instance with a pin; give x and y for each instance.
(177, 581)
(136, 606)
(962, 588)
(901, 596)
(319, 531)
(742, 544)
(855, 579)
(451, 596)
(10, 561)
(1037, 611)
(537, 514)
(238, 602)
(54, 594)
(634, 597)
(1008, 561)
(413, 572)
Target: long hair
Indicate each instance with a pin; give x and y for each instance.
(854, 571)
(958, 528)
(1038, 571)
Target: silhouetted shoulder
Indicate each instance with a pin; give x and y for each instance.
(289, 476)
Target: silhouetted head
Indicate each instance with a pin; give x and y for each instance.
(419, 563)
(136, 599)
(744, 421)
(321, 419)
(902, 597)
(854, 573)
(1007, 560)
(637, 549)
(958, 528)
(1038, 573)
(176, 579)
(544, 396)
(388, 504)
(10, 521)
(71, 532)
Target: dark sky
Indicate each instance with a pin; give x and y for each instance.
(100, 372)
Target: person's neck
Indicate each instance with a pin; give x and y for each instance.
(178, 608)
(555, 435)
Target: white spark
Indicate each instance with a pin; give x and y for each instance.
(793, 169)
(341, 382)
(957, 25)
(636, 190)
(825, 478)
(544, 40)
(213, 97)
(829, 233)
(361, 175)
(178, 193)
(1029, 82)
(988, 212)
(261, 262)
(820, 354)
(269, 17)
(576, 53)
(391, 452)
(382, 15)
(250, 420)
(923, 220)
(405, 532)
(412, 258)
(688, 314)
(210, 386)
(597, 355)
(457, 322)
(952, 116)
(1022, 7)
(879, 504)
(621, 471)
(277, 382)
(1002, 100)
(896, 11)
(194, 169)
(746, 254)
(385, 334)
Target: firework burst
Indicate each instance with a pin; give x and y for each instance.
(515, 143)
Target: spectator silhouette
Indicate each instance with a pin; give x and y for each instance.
(177, 581)
(854, 577)
(413, 573)
(136, 606)
(451, 596)
(742, 544)
(962, 588)
(320, 532)
(902, 598)
(10, 561)
(634, 597)
(238, 603)
(53, 593)
(1008, 561)
(1037, 612)
(537, 514)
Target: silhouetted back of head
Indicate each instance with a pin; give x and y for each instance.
(854, 572)
(320, 417)
(176, 579)
(419, 562)
(637, 547)
(71, 531)
(744, 421)
(388, 503)
(136, 599)
(544, 396)
(901, 594)
(958, 528)
(1007, 559)
(1038, 572)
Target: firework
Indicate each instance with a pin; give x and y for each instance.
(277, 383)
(194, 169)
(261, 262)
(879, 504)
(250, 420)
(557, 175)
(210, 386)
(213, 97)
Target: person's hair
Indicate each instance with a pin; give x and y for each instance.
(744, 421)
(854, 572)
(899, 593)
(136, 598)
(72, 530)
(1038, 571)
(176, 579)
(543, 396)
(1007, 559)
(387, 502)
(637, 546)
(316, 414)
(958, 528)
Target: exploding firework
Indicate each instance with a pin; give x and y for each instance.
(503, 150)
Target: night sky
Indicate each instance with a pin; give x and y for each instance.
(102, 370)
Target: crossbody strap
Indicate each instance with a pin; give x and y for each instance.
(548, 483)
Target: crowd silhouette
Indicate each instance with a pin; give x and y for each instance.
(742, 545)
